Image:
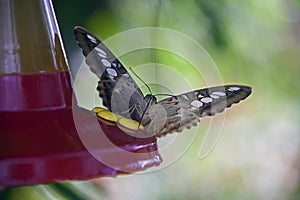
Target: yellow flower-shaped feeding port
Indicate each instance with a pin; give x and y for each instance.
(112, 119)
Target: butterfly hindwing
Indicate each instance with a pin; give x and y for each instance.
(119, 92)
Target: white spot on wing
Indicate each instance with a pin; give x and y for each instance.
(206, 100)
(125, 75)
(233, 89)
(119, 65)
(196, 103)
(106, 63)
(100, 52)
(221, 94)
(111, 72)
(92, 39)
(200, 96)
(214, 96)
(185, 97)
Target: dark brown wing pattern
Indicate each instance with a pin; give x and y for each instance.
(119, 92)
(121, 95)
(184, 111)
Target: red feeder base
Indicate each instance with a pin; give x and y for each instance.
(40, 146)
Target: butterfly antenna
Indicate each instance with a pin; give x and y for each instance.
(141, 80)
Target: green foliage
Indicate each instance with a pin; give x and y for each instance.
(63, 191)
(251, 42)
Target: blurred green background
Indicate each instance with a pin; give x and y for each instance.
(253, 42)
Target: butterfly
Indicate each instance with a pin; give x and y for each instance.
(122, 96)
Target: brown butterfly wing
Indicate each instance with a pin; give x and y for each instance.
(185, 110)
(119, 92)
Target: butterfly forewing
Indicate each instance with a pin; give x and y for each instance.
(119, 92)
(98, 56)
(185, 110)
